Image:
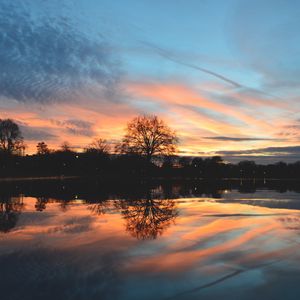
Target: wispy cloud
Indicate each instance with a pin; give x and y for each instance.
(274, 52)
(185, 97)
(48, 59)
(241, 139)
(289, 150)
(76, 126)
(36, 133)
(172, 57)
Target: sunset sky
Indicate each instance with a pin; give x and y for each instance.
(224, 74)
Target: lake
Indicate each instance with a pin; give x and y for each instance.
(158, 240)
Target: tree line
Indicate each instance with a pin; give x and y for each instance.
(148, 149)
(145, 136)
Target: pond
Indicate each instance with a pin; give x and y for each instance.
(178, 240)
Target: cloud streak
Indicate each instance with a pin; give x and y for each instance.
(177, 94)
(241, 139)
(286, 151)
(76, 127)
(175, 58)
(168, 55)
(36, 133)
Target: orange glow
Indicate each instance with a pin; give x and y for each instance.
(234, 233)
(182, 96)
(202, 233)
(189, 111)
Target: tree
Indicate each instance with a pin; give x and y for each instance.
(42, 148)
(98, 146)
(184, 161)
(148, 136)
(65, 147)
(169, 161)
(11, 140)
(217, 160)
(247, 168)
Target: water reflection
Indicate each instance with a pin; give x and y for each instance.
(10, 209)
(144, 218)
(148, 218)
(193, 240)
(41, 203)
(100, 207)
(147, 208)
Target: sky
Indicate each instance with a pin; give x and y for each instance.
(225, 75)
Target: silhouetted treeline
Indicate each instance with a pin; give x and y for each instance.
(146, 151)
(69, 163)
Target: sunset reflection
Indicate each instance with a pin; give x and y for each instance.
(148, 218)
(10, 209)
(220, 241)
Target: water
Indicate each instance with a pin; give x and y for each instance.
(192, 240)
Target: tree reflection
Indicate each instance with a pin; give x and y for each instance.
(148, 218)
(10, 209)
(41, 202)
(64, 203)
(101, 207)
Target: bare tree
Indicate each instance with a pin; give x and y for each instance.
(65, 147)
(42, 148)
(148, 136)
(11, 140)
(99, 146)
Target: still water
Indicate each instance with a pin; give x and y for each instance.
(195, 240)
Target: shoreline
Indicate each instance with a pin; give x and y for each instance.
(62, 177)
(38, 178)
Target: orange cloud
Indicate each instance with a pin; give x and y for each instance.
(193, 115)
(182, 96)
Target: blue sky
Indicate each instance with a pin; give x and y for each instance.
(224, 74)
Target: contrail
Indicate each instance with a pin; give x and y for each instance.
(166, 54)
(171, 57)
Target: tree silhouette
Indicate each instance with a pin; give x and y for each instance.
(184, 162)
(148, 218)
(148, 136)
(98, 146)
(217, 160)
(11, 140)
(65, 147)
(42, 148)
